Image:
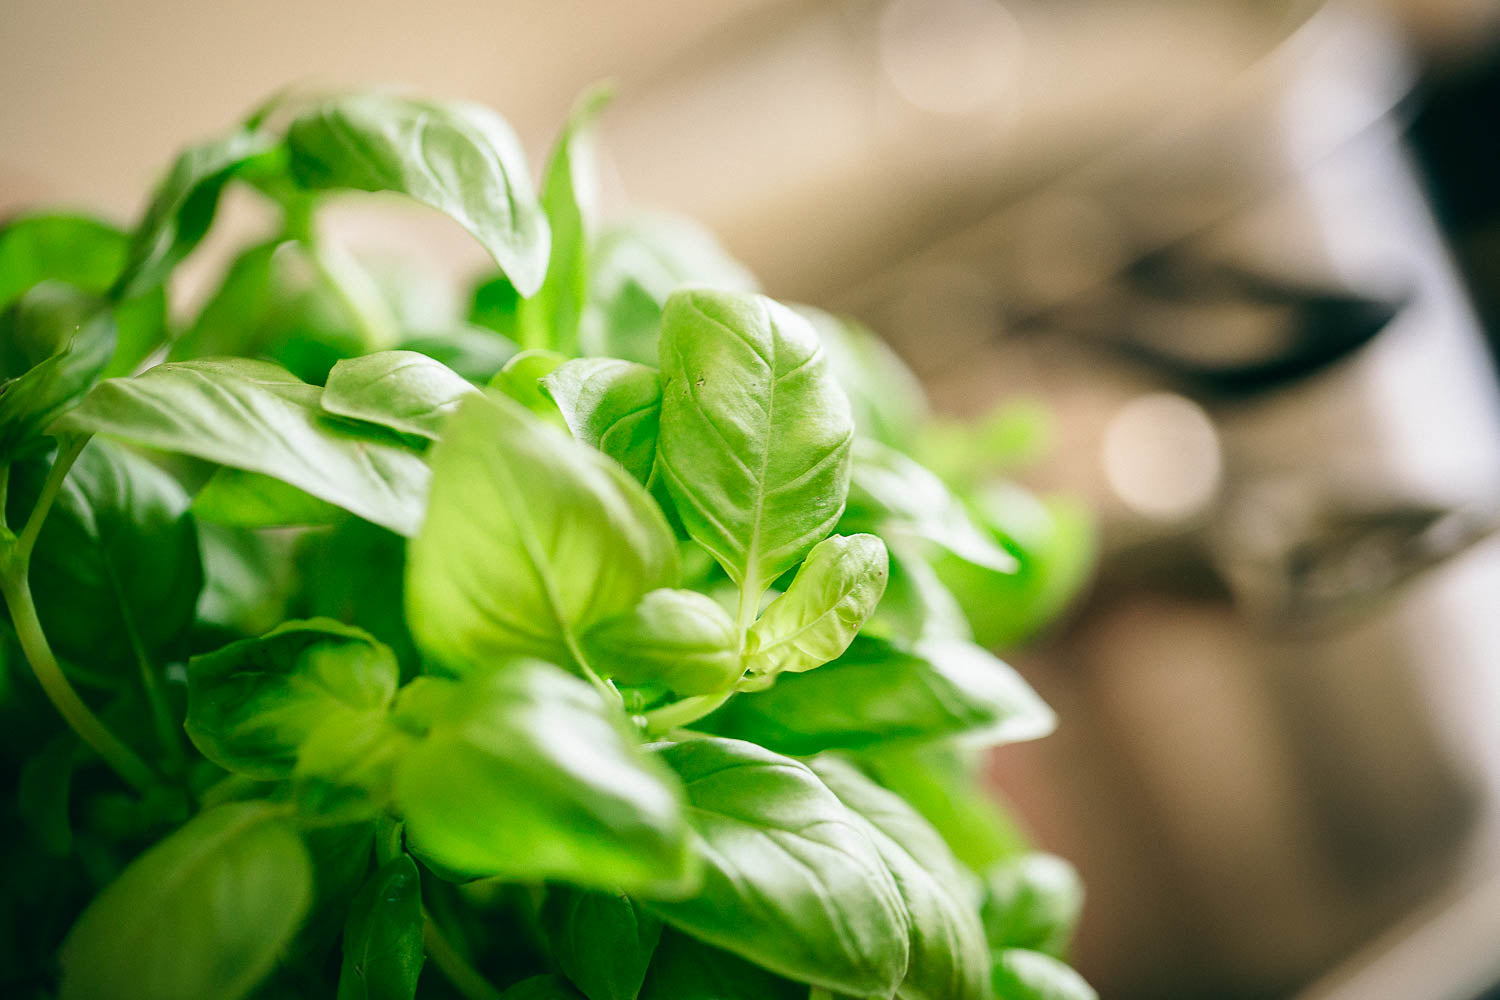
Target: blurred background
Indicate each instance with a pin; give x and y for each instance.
(1244, 257)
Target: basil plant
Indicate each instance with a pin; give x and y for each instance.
(603, 640)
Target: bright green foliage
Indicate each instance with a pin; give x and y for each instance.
(599, 639)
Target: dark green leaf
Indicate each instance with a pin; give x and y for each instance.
(949, 957)
(541, 988)
(550, 318)
(679, 639)
(383, 951)
(793, 881)
(252, 704)
(602, 941)
(89, 255)
(1030, 975)
(835, 590)
(530, 537)
(55, 342)
(183, 206)
(1032, 901)
(43, 794)
(252, 500)
(256, 416)
(117, 556)
(688, 969)
(755, 433)
(461, 159)
(614, 406)
(525, 774)
(403, 390)
(881, 692)
(202, 914)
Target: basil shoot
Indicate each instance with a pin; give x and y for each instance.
(604, 641)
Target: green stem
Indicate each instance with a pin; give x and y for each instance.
(604, 687)
(44, 664)
(26, 540)
(453, 965)
(684, 712)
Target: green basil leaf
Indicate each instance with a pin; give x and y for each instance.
(916, 604)
(461, 159)
(184, 203)
(792, 880)
(949, 956)
(1054, 541)
(1033, 902)
(880, 692)
(570, 194)
(89, 255)
(611, 405)
(403, 390)
(525, 774)
(755, 433)
(252, 500)
(472, 351)
(521, 380)
(541, 988)
(204, 913)
(43, 794)
(679, 639)
(885, 397)
(56, 342)
(833, 594)
(687, 969)
(252, 704)
(603, 942)
(275, 303)
(256, 416)
(945, 783)
(116, 558)
(636, 265)
(340, 855)
(893, 495)
(383, 951)
(1030, 975)
(530, 537)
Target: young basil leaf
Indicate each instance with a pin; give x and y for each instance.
(89, 255)
(117, 560)
(834, 592)
(541, 988)
(403, 390)
(524, 774)
(886, 399)
(679, 639)
(684, 967)
(252, 704)
(1030, 975)
(893, 495)
(461, 159)
(949, 956)
(602, 941)
(521, 380)
(204, 913)
(530, 537)
(636, 265)
(1033, 902)
(54, 343)
(611, 405)
(184, 203)
(549, 319)
(882, 692)
(792, 880)
(755, 433)
(252, 500)
(383, 951)
(256, 416)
